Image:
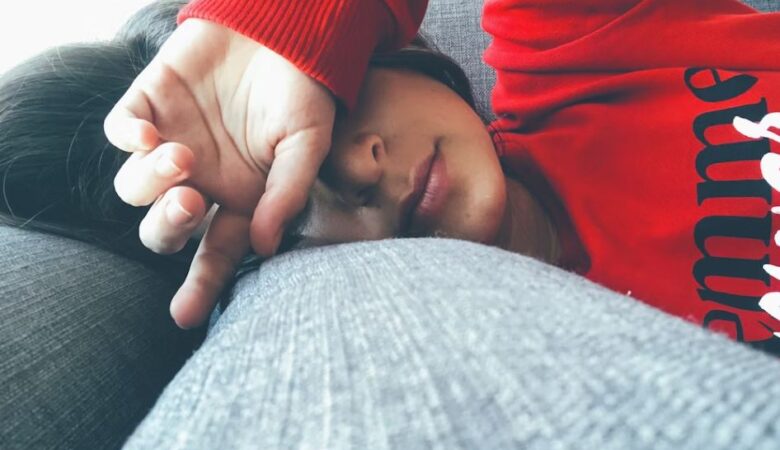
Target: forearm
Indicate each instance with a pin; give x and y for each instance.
(330, 40)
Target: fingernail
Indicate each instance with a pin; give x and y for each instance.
(177, 215)
(167, 168)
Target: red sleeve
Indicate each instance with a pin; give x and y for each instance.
(330, 40)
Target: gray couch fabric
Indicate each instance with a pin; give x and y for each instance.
(764, 5)
(446, 344)
(455, 28)
(86, 343)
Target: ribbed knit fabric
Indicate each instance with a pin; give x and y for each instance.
(330, 40)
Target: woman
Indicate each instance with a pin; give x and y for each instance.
(614, 132)
(500, 434)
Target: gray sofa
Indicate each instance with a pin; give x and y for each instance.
(403, 344)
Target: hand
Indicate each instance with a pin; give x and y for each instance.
(218, 118)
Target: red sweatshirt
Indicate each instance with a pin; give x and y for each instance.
(617, 114)
(625, 108)
(331, 40)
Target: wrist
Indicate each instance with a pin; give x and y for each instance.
(329, 41)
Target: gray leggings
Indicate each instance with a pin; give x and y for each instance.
(85, 344)
(396, 344)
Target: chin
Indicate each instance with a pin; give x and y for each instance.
(483, 229)
(487, 225)
(485, 201)
(488, 234)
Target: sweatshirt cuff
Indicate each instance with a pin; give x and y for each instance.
(331, 41)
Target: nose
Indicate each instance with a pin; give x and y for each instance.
(357, 165)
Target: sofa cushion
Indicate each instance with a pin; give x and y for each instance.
(764, 5)
(465, 46)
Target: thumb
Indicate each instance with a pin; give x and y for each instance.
(219, 254)
(293, 171)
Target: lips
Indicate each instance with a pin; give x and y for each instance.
(419, 179)
(421, 207)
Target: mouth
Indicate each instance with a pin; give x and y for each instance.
(421, 207)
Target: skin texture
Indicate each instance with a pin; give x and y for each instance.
(402, 118)
(364, 163)
(216, 118)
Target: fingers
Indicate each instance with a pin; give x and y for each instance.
(155, 95)
(145, 176)
(290, 179)
(129, 124)
(130, 134)
(225, 243)
(172, 220)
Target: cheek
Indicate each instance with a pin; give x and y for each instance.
(478, 200)
(480, 208)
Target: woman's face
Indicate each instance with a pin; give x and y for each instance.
(412, 159)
